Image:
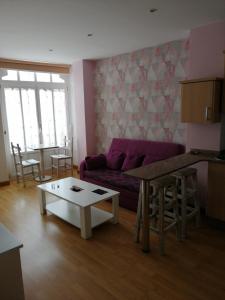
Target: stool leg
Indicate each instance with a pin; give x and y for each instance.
(71, 167)
(39, 173)
(196, 201)
(22, 174)
(177, 218)
(197, 219)
(52, 165)
(183, 208)
(154, 208)
(63, 166)
(57, 167)
(17, 172)
(139, 217)
(161, 221)
(32, 168)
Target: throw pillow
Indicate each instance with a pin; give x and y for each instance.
(132, 161)
(95, 162)
(115, 160)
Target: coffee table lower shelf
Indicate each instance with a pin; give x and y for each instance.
(71, 213)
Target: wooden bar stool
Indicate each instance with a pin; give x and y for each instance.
(163, 210)
(189, 206)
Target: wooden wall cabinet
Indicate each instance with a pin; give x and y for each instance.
(201, 100)
(216, 191)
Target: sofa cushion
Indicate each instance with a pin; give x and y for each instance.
(115, 178)
(95, 162)
(145, 147)
(115, 159)
(148, 159)
(132, 161)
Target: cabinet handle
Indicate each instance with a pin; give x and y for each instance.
(207, 113)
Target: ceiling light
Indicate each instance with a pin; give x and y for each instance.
(152, 10)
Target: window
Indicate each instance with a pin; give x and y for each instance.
(26, 76)
(11, 75)
(15, 120)
(36, 107)
(43, 77)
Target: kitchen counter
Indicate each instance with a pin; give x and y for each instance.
(162, 168)
(11, 281)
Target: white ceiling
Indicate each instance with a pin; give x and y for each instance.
(29, 28)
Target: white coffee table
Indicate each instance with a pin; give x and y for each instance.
(77, 208)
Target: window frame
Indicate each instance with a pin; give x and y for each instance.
(36, 86)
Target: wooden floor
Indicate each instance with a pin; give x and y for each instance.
(58, 264)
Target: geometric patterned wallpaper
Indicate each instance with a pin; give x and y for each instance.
(138, 94)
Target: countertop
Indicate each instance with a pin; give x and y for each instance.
(7, 241)
(167, 166)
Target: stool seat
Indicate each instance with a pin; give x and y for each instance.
(185, 172)
(163, 182)
(168, 183)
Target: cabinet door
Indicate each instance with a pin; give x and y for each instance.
(197, 102)
(216, 191)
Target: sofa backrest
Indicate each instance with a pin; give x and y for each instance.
(157, 150)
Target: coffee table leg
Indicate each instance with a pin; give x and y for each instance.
(42, 198)
(85, 222)
(115, 209)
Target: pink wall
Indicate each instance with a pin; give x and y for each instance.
(206, 59)
(206, 50)
(89, 96)
(138, 94)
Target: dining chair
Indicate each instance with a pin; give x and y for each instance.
(24, 167)
(64, 158)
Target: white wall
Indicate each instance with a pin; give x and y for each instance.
(4, 176)
(78, 110)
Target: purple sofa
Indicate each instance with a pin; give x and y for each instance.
(108, 169)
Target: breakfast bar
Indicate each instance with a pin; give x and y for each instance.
(161, 168)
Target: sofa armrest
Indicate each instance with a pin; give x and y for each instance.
(82, 169)
(92, 163)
